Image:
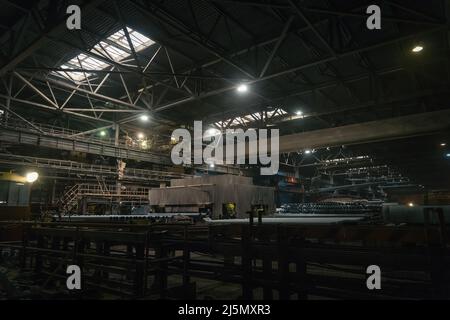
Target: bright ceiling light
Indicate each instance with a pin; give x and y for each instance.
(443, 144)
(417, 49)
(212, 132)
(298, 113)
(242, 88)
(32, 177)
(102, 133)
(307, 151)
(140, 135)
(410, 204)
(144, 117)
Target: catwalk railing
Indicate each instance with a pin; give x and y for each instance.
(42, 128)
(61, 139)
(284, 262)
(86, 168)
(20, 133)
(75, 193)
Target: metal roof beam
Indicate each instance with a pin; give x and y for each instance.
(300, 13)
(300, 67)
(277, 45)
(51, 108)
(42, 39)
(112, 62)
(90, 93)
(180, 27)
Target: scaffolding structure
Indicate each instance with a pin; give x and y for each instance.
(118, 194)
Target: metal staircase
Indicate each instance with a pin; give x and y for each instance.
(102, 185)
(69, 200)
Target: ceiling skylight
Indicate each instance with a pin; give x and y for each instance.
(115, 47)
(243, 120)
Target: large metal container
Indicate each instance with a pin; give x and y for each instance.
(397, 214)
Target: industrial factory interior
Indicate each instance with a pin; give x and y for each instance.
(225, 150)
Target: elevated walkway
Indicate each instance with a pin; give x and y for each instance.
(17, 131)
(67, 166)
(62, 139)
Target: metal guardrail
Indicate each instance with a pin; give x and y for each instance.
(42, 135)
(73, 166)
(70, 199)
(85, 189)
(20, 135)
(64, 132)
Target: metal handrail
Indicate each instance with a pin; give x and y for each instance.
(40, 128)
(85, 188)
(68, 164)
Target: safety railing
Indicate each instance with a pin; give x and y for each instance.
(16, 124)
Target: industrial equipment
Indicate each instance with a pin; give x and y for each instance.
(291, 220)
(395, 213)
(225, 196)
(147, 218)
(15, 196)
(14, 202)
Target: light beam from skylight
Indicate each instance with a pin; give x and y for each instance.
(115, 47)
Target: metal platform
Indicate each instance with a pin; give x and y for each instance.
(63, 139)
(60, 141)
(93, 170)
